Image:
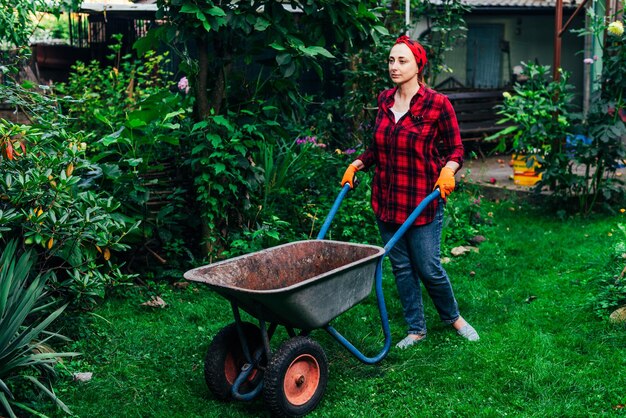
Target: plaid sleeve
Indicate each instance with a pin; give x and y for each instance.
(369, 156)
(452, 146)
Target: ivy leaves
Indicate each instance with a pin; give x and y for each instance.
(210, 17)
(299, 35)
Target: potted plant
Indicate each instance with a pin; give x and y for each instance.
(536, 119)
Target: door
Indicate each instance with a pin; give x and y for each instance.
(484, 56)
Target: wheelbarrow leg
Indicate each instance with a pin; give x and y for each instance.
(253, 359)
(384, 320)
(267, 335)
(242, 337)
(225, 358)
(246, 370)
(235, 361)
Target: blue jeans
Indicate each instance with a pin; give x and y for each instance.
(415, 258)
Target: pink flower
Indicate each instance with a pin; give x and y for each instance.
(307, 139)
(183, 85)
(588, 60)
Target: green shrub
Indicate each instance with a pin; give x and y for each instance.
(97, 97)
(605, 122)
(139, 127)
(48, 203)
(538, 114)
(612, 294)
(225, 178)
(23, 356)
(467, 215)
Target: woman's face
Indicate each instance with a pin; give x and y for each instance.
(402, 64)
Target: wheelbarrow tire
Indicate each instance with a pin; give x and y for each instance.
(224, 360)
(295, 378)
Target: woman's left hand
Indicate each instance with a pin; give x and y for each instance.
(445, 182)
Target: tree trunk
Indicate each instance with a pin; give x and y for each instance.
(205, 107)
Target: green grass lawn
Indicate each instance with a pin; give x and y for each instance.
(543, 350)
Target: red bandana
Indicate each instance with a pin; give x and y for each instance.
(417, 50)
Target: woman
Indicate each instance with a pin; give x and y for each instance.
(416, 148)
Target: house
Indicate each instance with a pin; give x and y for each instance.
(503, 34)
(91, 32)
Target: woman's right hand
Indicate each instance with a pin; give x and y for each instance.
(348, 176)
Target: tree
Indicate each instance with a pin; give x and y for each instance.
(18, 21)
(282, 37)
(240, 54)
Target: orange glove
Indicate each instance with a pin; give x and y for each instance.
(348, 176)
(445, 182)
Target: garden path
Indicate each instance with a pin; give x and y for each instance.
(495, 174)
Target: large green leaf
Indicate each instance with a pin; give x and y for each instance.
(19, 340)
(50, 393)
(5, 388)
(317, 50)
(215, 11)
(7, 406)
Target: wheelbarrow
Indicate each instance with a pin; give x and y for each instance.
(301, 286)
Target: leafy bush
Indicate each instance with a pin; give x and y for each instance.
(139, 125)
(600, 157)
(47, 202)
(226, 177)
(537, 113)
(467, 215)
(612, 295)
(365, 78)
(106, 93)
(298, 183)
(23, 356)
(541, 118)
(605, 123)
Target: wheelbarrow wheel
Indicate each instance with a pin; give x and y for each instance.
(225, 358)
(295, 378)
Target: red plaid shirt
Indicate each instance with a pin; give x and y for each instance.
(409, 155)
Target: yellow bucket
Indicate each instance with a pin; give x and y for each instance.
(522, 174)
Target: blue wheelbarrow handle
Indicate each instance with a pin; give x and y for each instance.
(329, 218)
(384, 319)
(411, 219)
(399, 233)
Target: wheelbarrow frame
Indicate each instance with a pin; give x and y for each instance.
(378, 282)
(253, 359)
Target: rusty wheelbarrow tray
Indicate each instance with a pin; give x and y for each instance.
(302, 286)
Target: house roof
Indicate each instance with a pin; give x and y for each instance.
(109, 6)
(521, 3)
(150, 5)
